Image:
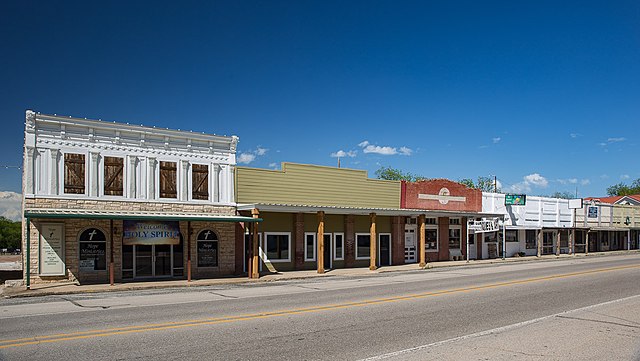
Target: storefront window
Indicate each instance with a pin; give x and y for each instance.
(207, 249)
(511, 236)
(278, 246)
(310, 246)
(454, 238)
(93, 250)
(363, 245)
(530, 239)
(431, 238)
(338, 239)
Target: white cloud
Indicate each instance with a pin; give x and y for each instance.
(383, 150)
(341, 154)
(568, 181)
(246, 158)
(575, 135)
(11, 205)
(527, 184)
(604, 176)
(536, 179)
(251, 155)
(616, 140)
(585, 182)
(496, 140)
(273, 165)
(625, 176)
(405, 151)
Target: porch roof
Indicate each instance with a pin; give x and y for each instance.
(50, 213)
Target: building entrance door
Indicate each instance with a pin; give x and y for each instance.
(410, 246)
(152, 260)
(384, 250)
(472, 245)
(327, 251)
(548, 242)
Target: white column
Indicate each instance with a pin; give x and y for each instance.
(230, 185)
(216, 183)
(42, 172)
(54, 171)
(142, 186)
(28, 170)
(131, 175)
(184, 184)
(93, 174)
(151, 178)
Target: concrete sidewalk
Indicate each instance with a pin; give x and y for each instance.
(43, 289)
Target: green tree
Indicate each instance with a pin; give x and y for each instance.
(10, 233)
(389, 173)
(485, 184)
(622, 189)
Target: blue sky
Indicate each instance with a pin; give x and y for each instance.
(544, 94)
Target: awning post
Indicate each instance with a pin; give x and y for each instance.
(111, 271)
(28, 247)
(467, 240)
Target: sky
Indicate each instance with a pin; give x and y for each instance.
(544, 95)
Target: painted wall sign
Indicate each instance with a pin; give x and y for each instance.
(592, 212)
(52, 250)
(484, 225)
(443, 196)
(150, 232)
(515, 199)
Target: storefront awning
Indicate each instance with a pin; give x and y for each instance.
(100, 214)
(301, 208)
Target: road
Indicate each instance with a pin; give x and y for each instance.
(583, 308)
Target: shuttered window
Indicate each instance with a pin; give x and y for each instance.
(74, 168)
(113, 176)
(200, 181)
(168, 180)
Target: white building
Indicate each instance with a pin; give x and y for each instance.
(108, 201)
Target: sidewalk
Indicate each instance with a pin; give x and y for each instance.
(43, 289)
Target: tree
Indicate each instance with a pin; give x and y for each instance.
(10, 233)
(622, 189)
(389, 173)
(485, 184)
(563, 195)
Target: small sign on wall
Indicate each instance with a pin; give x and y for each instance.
(592, 212)
(51, 250)
(150, 232)
(515, 199)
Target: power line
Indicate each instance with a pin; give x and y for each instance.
(10, 166)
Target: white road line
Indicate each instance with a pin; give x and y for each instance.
(494, 330)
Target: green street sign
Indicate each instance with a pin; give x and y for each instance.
(515, 199)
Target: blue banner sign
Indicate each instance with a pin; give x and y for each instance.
(592, 212)
(150, 232)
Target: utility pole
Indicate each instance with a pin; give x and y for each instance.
(495, 184)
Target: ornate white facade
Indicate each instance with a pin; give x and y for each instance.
(49, 137)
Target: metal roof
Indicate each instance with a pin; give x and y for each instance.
(104, 214)
(305, 208)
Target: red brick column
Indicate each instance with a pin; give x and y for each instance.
(298, 243)
(443, 238)
(397, 240)
(350, 240)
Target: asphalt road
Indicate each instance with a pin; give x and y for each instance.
(582, 308)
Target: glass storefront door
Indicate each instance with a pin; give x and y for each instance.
(152, 260)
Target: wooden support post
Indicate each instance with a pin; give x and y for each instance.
(188, 251)
(111, 271)
(539, 243)
(572, 242)
(320, 242)
(255, 273)
(373, 243)
(558, 237)
(586, 245)
(422, 246)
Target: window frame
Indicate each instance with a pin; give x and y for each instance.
(207, 183)
(102, 175)
(315, 246)
(453, 227)
(335, 255)
(266, 250)
(106, 251)
(512, 231)
(217, 241)
(426, 242)
(527, 240)
(85, 177)
(358, 258)
(177, 176)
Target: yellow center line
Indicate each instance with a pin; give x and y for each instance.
(60, 337)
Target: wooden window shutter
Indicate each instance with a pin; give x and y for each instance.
(200, 181)
(74, 167)
(113, 176)
(168, 180)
